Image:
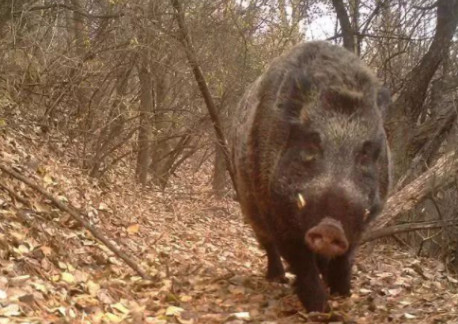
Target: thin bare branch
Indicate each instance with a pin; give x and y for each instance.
(67, 7)
(200, 79)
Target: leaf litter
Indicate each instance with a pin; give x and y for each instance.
(204, 260)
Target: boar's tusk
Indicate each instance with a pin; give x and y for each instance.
(300, 201)
(366, 214)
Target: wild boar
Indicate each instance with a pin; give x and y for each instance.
(312, 165)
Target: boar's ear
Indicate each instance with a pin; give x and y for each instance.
(294, 89)
(383, 100)
(341, 99)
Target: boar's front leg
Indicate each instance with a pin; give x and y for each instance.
(257, 220)
(339, 274)
(336, 273)
(308, 285)
(275, 270)
(323, 266)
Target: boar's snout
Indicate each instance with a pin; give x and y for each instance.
(327, 238)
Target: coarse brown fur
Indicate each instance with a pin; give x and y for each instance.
(300, 129)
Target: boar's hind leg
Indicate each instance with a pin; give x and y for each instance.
(339, 275)
(308, 285)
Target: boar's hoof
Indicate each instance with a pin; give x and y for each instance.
(327, 239)
(315, 305)
(312, 294)
(275, 271)
(280, 278)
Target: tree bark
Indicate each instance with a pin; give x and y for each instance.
(345, 25)
(355, 16)
(219, 174)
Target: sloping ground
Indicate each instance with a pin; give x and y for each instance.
(206, 265)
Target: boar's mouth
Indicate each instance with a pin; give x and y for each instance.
(327, 238)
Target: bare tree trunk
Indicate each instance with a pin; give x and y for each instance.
(80, 37)
(192, 59)
(219, 173)
(78, 26)
(161, 146)
(76, 23)
(146, 109)
(345, 25)
(354, 7)
(403, 115)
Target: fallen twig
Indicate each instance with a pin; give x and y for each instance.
(15, 195)
(76, 215)
(408, 227)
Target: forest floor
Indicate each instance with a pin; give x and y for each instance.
(206, 264)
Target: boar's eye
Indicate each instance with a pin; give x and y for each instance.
(305, 144)
(309, 155)
(310, 148)
(368, 154)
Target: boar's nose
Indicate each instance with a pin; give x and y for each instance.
(327, 238)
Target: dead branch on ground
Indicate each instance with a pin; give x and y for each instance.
(441, 175)
(79, 218)
(408, 227)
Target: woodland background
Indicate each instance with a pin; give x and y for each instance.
(110, 87)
